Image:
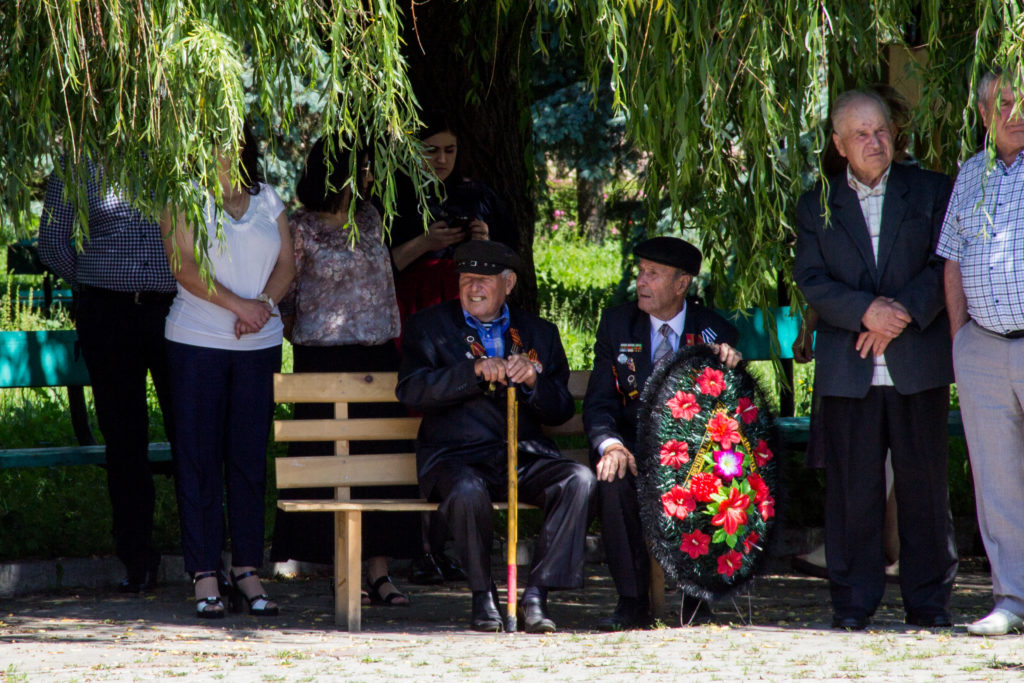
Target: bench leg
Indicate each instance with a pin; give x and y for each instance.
(657, 589)
(348, 569)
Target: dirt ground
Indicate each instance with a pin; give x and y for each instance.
(779, 632)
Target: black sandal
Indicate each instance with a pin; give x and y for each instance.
(210, 607)
(378, 598)
(259, 605)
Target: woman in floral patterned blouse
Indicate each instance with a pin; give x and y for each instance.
(342, 316)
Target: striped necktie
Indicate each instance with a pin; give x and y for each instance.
(664, 349)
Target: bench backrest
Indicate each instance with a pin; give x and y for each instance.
(41, 359)
(341, 470)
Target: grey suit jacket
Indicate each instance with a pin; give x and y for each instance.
(836, 271)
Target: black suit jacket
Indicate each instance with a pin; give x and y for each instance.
(622, 364)
(836, 271)
(462, 419)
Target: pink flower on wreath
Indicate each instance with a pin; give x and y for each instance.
(767, 508)
(759, 486)
(728, 464)
(703, 485)
(695, 544)
(750, 542)
(746, 410)
(729, 563)
(762, 454)
(683, 405)
(711, 382)
(732, 512)
(724, 430)
(675, 454)
(678, 502)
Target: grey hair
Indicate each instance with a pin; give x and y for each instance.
(847, 99)
(986, 85)
(508, 271)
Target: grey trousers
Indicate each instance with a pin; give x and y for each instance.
(990, 378)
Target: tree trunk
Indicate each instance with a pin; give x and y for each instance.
(478, 70)
(590, 208)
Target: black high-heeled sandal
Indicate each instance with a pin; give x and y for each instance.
(259, 605)
(210, 607)
(378, 598)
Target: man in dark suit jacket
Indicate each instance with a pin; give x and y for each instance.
(631, 339)
(458, 358)
(866, 263)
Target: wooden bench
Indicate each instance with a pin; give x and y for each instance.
(50, 359)
(342, 471)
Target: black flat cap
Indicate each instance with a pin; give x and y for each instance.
(670, 251)
(485, 257)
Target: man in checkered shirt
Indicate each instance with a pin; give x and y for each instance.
(865, 262)
(124, 289)
(983, 242)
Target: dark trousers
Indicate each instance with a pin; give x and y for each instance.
(309, 536)
(121, 341)
(623, 537)
(858, 433)
(561, 487)
(223, 403)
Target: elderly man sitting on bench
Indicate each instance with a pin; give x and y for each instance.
(459, 357)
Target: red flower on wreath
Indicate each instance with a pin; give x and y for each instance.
(729, 563)
(711, 382)
(695, 544)
(767, 508)
(724, 430)
(704, 485)
(761, 490)
(728, 464)
(732, 512)
(750, 542)
(762, 454)
(675, 454)
(746, 410)
(683, 405)
(678, 502)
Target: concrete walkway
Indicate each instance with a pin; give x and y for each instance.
(91, 635)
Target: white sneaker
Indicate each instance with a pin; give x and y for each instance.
(998, 622)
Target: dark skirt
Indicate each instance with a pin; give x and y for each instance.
(309, 536)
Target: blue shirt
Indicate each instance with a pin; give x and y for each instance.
(123, 252)
(492, 334)
(984, 232)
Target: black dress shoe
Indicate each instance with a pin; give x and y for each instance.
(533, 613)
(938, 620)
(629, 613)
(138, 582)
(450, 569)
(423, 571)
(694, 611)
(486, 616)
(851, 622)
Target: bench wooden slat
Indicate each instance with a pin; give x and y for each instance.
(387, 504)
(326, 387)
(43, 358)
(361, 429)
(346, 470)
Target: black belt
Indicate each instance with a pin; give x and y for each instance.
(140, 298)
(1013, 334)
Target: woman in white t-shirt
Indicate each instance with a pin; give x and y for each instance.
(224, 346)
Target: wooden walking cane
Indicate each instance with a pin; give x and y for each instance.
(513, 506)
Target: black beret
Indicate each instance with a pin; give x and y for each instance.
(670, 251)
(485, 257)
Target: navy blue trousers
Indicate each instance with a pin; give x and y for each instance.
(223, 403)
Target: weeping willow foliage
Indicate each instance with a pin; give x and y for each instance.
(725, 98)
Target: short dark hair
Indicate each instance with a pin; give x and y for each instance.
(321, 190)
(436, 121)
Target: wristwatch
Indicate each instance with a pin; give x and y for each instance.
(265, 298)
